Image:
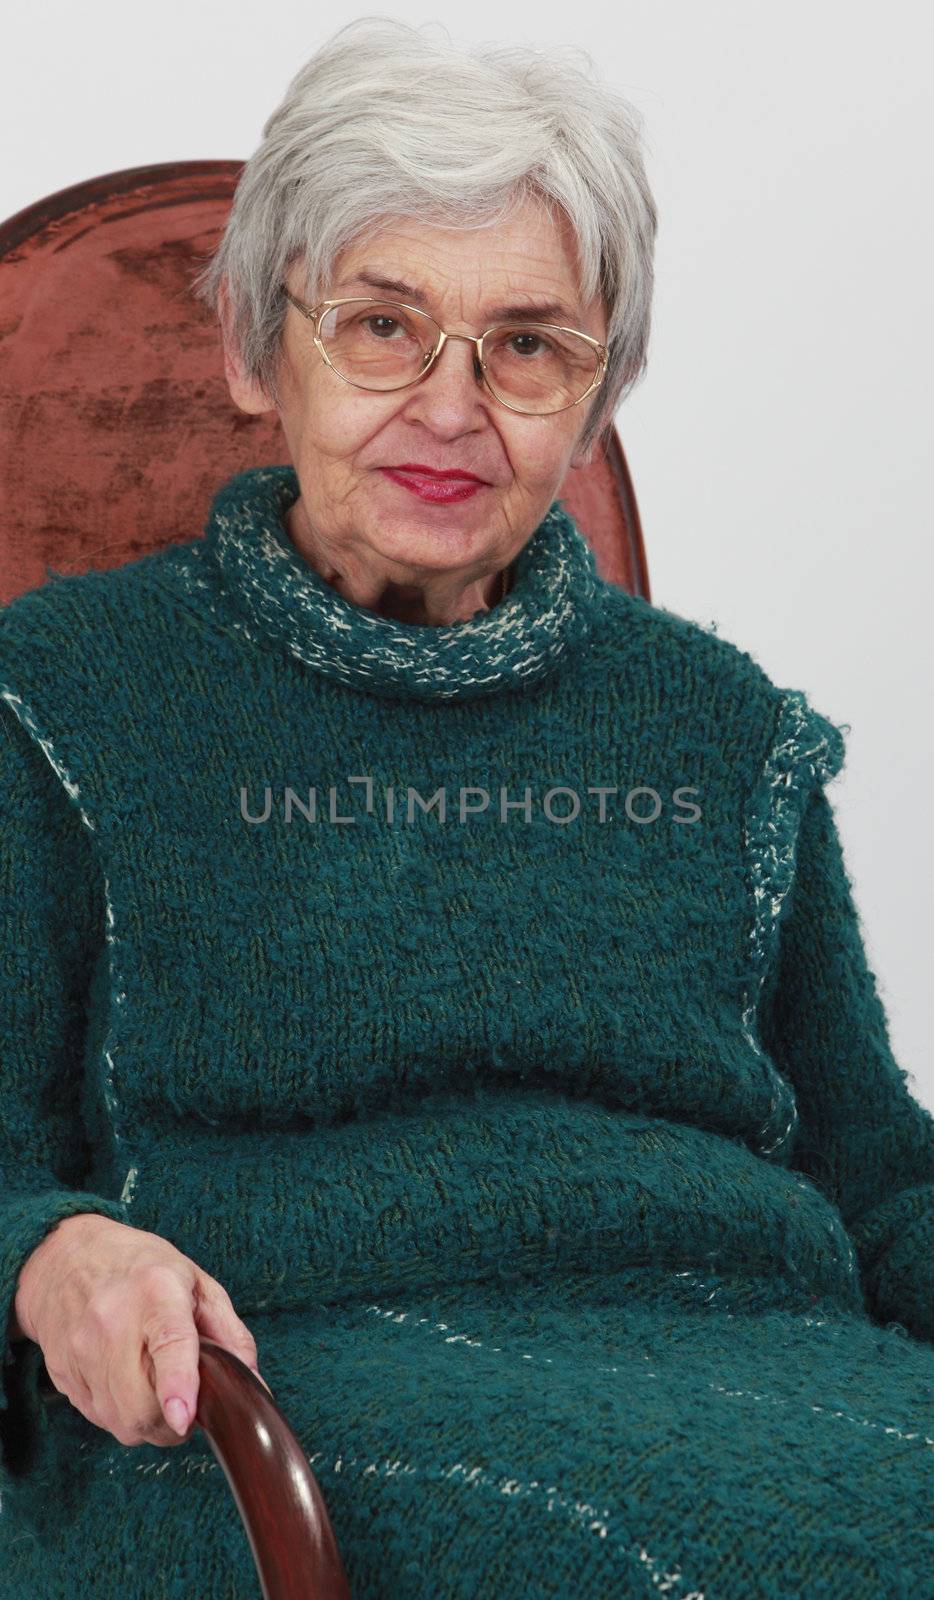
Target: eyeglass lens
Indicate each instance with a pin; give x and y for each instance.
(382, 345)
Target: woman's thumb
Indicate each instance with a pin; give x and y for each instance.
(173, 1351)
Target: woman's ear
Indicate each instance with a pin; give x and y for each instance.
(244, 392)
(583, 457)
(599, 444)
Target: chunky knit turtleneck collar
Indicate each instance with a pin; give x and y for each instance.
(267, 590)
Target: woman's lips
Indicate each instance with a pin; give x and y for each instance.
(439, 490)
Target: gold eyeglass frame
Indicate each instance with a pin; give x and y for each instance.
(315, 313)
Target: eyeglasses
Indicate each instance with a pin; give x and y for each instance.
(533, 367)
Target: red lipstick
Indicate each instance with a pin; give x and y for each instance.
(439, 487)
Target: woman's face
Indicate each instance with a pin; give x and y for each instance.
(360, 523)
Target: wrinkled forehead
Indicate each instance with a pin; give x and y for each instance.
(523, 264)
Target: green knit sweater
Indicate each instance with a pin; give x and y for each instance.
(503, 977)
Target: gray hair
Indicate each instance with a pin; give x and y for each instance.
(383, 121)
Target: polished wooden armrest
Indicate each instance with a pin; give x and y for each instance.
(276, 1492)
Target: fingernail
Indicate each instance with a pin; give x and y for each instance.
(177, 1413)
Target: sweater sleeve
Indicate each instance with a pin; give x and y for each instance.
(51, 935)
(862, 1136)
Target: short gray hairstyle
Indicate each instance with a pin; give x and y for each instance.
(384, 122)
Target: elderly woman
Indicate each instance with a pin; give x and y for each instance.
(432, 971)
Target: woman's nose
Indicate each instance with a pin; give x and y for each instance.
(453, 382)
(450, 399)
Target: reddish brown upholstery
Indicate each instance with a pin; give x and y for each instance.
(116, 425)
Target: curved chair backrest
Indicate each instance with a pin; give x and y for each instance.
(116, 424)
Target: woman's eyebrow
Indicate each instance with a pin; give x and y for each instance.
(541, 311)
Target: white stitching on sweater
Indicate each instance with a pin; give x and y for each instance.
(771, 861)
(28, 720)
(770, 868)
(397, 1316)
(587, 1516)
(26, 717)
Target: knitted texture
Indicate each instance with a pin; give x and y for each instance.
(285, 599)
(487, 1008)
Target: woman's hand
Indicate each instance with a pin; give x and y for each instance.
(117, 1313)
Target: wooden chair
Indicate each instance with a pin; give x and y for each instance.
(116, 430)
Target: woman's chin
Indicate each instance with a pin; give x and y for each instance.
(417, 531)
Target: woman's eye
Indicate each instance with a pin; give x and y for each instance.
(384, 324)
(525, 340)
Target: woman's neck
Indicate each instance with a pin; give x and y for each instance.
(436, 603)
(256, 581)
